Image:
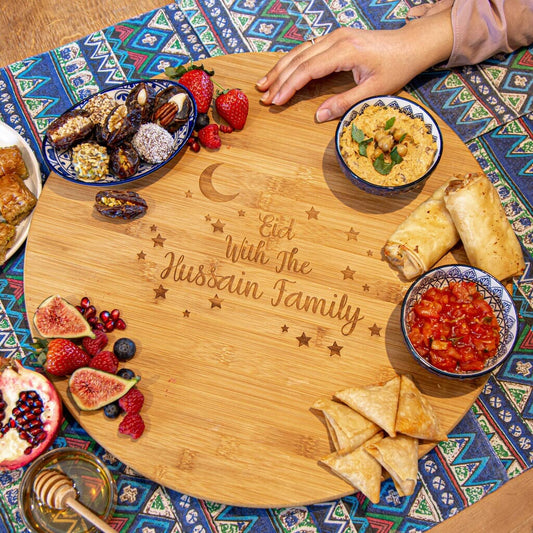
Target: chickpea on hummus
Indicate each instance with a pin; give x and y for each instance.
(387, 147)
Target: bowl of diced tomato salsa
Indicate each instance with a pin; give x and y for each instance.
(459, 321)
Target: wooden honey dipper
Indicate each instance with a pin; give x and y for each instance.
(55, 489)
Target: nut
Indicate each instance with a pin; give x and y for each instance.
(166, 113)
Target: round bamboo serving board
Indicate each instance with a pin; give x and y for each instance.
(216, 283)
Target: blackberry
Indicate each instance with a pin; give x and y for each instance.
(124, 349)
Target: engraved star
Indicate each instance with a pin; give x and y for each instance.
(218, 226)
(284, 328)
(141, 255)
(158, 241)
(216, 301)
(242, 212)
(160, 292)
(370, 253)
(303, 340)
(312, 213)
(153, 228)
(208, 218)
(375, 330)
(366, 287)
(348, 273)
(186, 313)
(188, 194)
(335, 349)
(352, 234)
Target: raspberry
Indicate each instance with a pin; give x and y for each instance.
(209, 137)
(132, 424)
(132, 401)
(93, 346)
(106, 361)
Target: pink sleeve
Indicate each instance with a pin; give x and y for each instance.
(483, 28)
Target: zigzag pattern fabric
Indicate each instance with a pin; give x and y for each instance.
(489, 106)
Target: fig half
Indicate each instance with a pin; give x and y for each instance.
(57, 318)
(92, 389)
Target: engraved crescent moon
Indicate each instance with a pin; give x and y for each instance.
(208, 189)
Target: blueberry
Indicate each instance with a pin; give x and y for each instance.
(126, 373)
(124, 349)
(202, 120)
(112, 410)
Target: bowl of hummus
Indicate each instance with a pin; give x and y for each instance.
(388, 145)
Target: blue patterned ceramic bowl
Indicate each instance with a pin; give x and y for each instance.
(407, 107)
(60, 160)
(493, 292)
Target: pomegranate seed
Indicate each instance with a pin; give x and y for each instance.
(120, 324)
(105, 316)
(93, 320)
(109, 325)
(80, 309)
(99, 326)
(115, 314)
(195, 146)
(85, 302)
(90, 311)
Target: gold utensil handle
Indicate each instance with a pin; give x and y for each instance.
(94, 519)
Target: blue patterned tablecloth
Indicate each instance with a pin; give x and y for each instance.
(490, 108)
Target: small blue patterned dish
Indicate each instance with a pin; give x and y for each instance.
(494, 293)
(408, 108)
(60, 160)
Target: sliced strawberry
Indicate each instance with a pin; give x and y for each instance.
(209, 137)
(232, 106)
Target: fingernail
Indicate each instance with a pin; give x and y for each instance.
(323, 115)
(262, 81)
(264, 97)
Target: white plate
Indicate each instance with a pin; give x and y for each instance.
(9, 137)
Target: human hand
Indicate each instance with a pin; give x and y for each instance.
(381, 61)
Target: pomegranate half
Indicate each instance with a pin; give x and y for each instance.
(30, 414)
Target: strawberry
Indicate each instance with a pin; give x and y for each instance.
(132, 424)
(132, 401)
(209, 137)
(232, 106)
(63, 357)
(198, 80)
(93, 346)
(106, 361)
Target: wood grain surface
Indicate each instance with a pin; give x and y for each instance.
(213, 283)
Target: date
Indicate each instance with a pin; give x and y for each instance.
(120, 204)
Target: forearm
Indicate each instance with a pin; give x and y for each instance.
(482, 28)
(429, 40)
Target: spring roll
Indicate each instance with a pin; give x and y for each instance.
(488, 238)
(423, 237)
